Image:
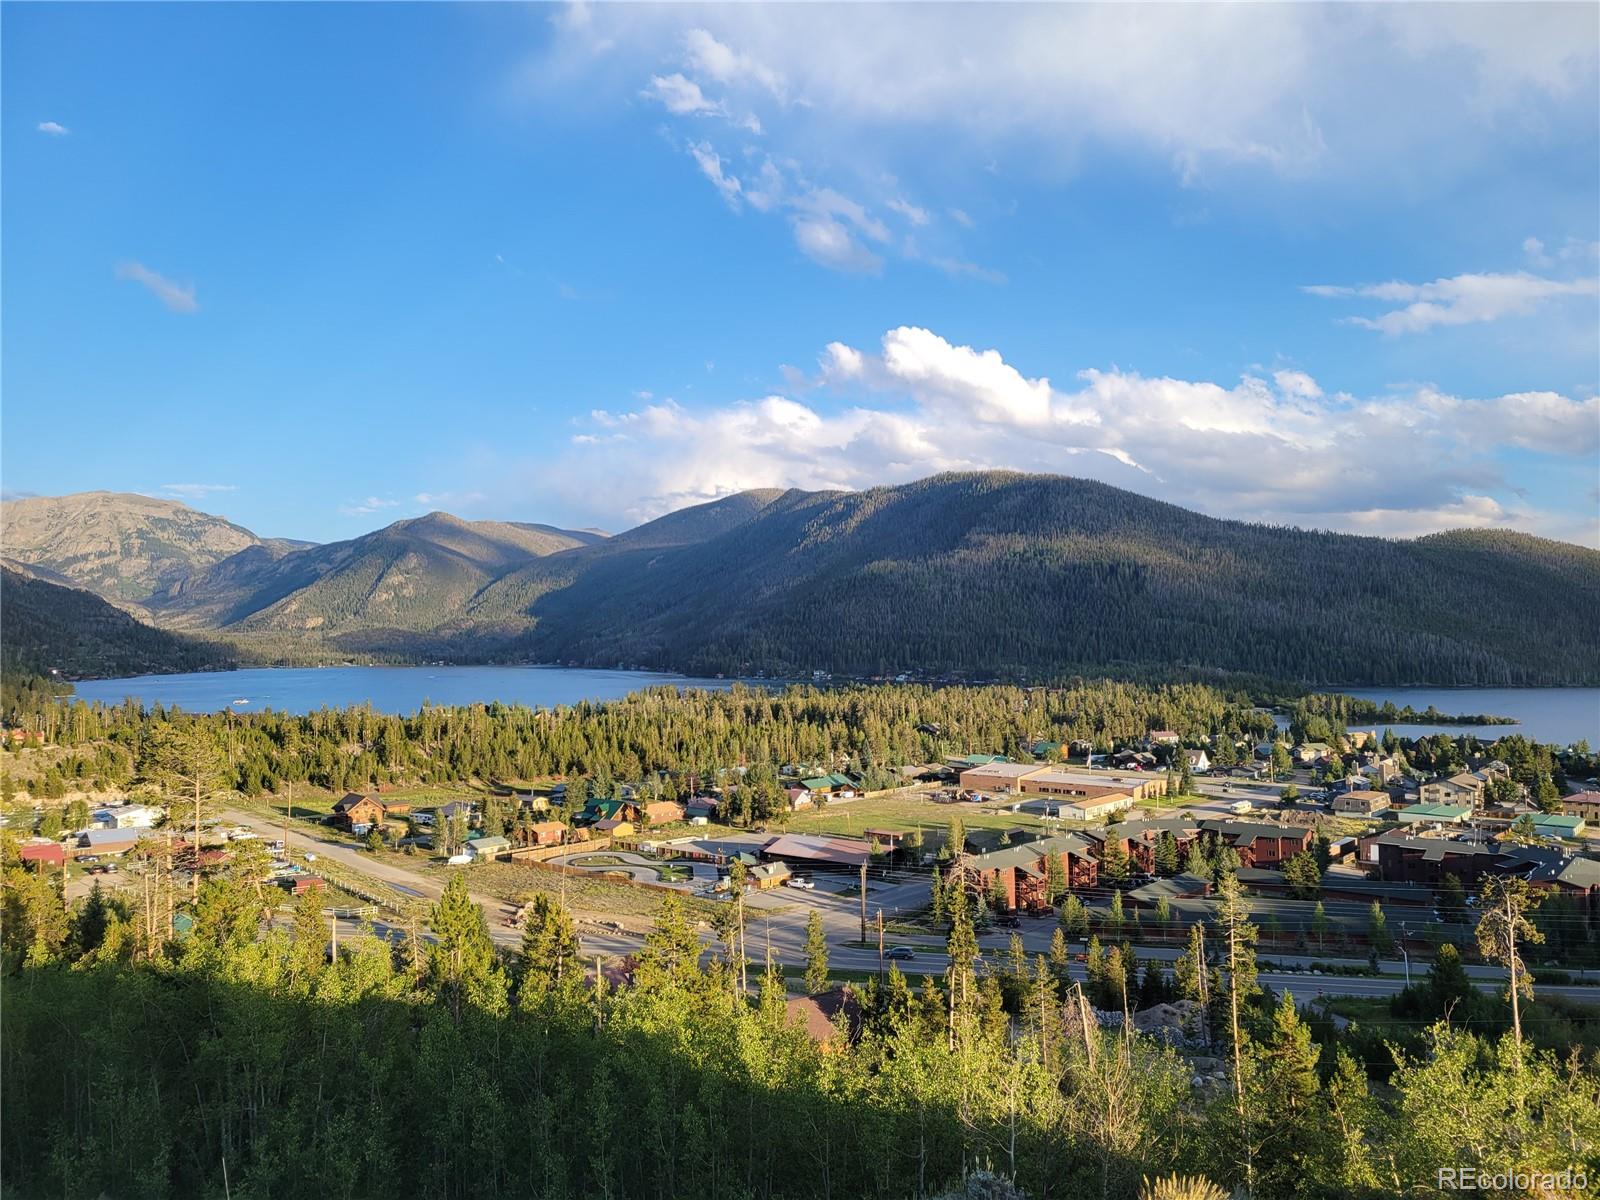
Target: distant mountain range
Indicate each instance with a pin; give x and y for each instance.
(981, 575)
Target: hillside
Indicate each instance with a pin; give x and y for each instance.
(975, 575)
(45, 627)
(122, 546)
(999, 574)
(413, 575)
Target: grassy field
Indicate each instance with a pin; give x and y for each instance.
(913, 810)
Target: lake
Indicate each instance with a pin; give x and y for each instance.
(400, 690)
(1558, 715)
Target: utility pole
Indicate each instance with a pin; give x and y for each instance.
(863, 900)
(880, 944)
(333, 924)
(1511, 955)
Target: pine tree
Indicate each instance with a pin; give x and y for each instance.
(1075, 918)
(462, 962)
(551, 970)
(816, 954)
(1291, 1138)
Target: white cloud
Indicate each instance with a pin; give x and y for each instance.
(961, 218)
(197, 491)
(828, 242)
(1460, 300)
(53, 128)
(681, 96)
(710, 164)
(722, 63)
(443, 499)
(177, 297)
(372, 504)
(1280, 450)
(1312, 89)
(917, 216)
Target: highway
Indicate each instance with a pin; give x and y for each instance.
(778, 918)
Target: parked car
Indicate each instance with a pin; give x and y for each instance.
(1010, 921)
(800, 881)
(900, 953)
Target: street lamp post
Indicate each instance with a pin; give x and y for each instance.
(1403, 954)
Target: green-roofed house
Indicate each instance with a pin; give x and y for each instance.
(1557, 825)
(824, 788)
(977, 760)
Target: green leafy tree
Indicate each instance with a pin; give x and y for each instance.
(1303, 877)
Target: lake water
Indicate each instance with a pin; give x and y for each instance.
(388, 689)
(1558, 715)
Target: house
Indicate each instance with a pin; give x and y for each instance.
(1161, 737)
(1361, 803)
(597, 811)
(1549, 868)
(1465, 788)
(1140, 838)
(614, 827)
(126, 816)
(545, 833)
(25, 737)
(1560, 825)
(43, 853)
(1442, 814)
(1178, 887)
(1259, 843)
(663, 812)
(1582, 804)
(1310, 753)
(299, 885)
(108, 841)
(464, 809)
(831, 787)
(768, 875)
(1197, 760)
(1402, 857)
(487, 849)
(702, 808)
(822, 1015)
(358, 813)
(1023, 870)
(839, 853)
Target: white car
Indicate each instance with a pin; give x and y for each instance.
(800, 881)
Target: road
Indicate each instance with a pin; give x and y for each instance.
(778, 919)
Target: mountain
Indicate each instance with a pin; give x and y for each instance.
(411, 576)
(73, 631)
(1001, 574)
(981, 575)
(122, 546)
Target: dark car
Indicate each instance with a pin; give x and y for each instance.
(900, 952)
(1010, 921)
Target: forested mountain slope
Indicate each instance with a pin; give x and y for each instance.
(46, 627)
(1000, 573)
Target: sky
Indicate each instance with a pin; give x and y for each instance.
(321, 267)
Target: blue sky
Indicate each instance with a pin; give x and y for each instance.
(320, 267)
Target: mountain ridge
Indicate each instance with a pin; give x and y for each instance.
(978, 574)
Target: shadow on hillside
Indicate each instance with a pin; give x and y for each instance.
(128, 1081)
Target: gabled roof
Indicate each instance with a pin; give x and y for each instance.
(1027, 853)
(490, 843)
(351, 799)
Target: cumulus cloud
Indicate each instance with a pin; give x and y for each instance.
(710, 164)
(1459, 300)
(1279, 449)
(178, 297)
(53, 128)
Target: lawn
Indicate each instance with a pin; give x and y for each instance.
(906, 812)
